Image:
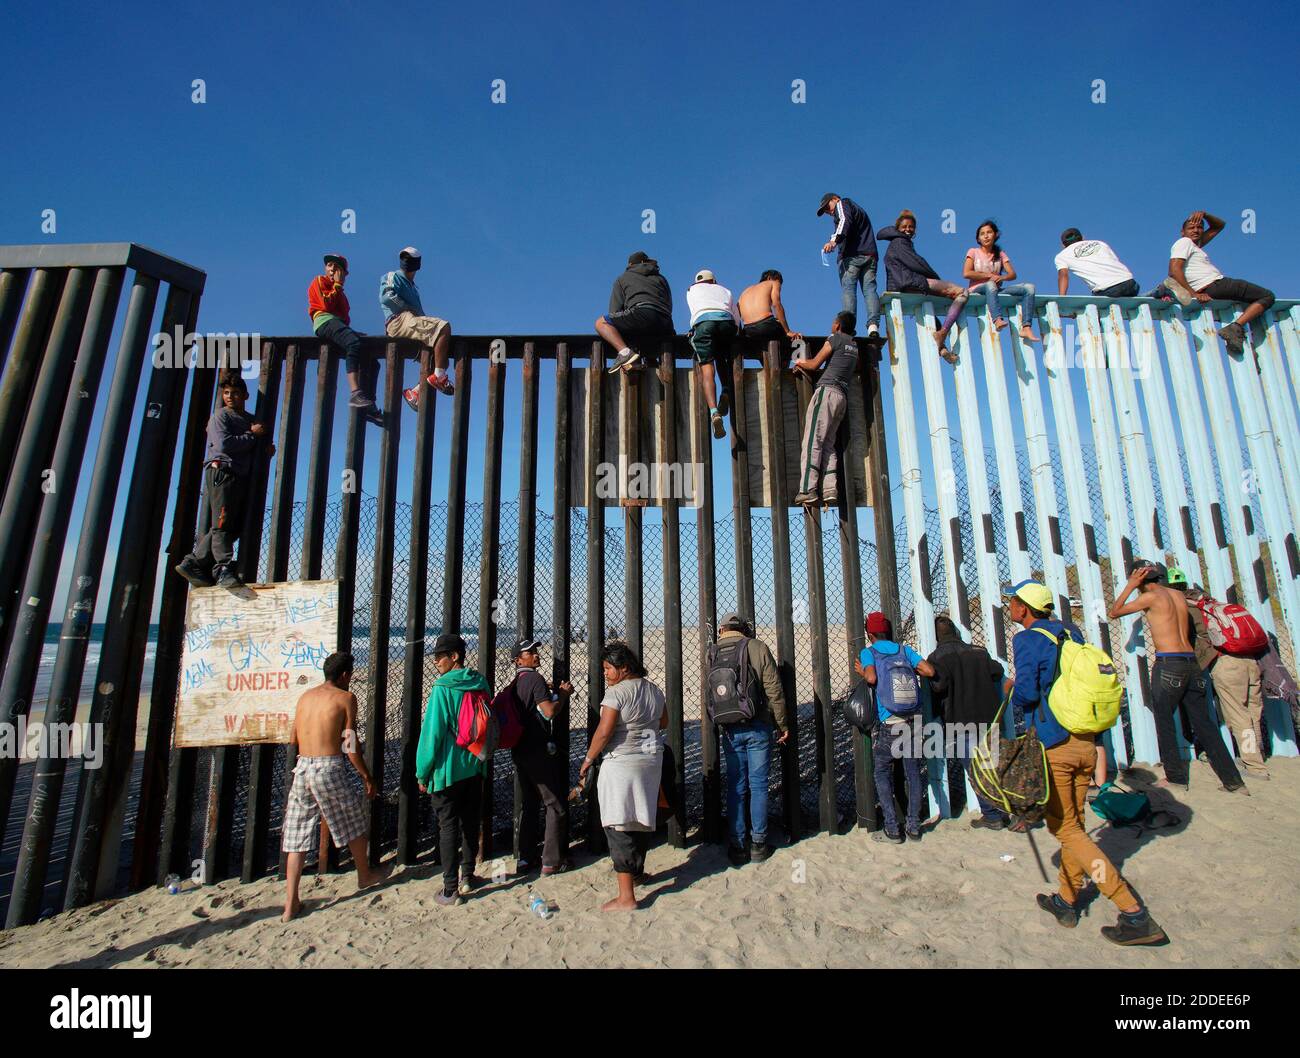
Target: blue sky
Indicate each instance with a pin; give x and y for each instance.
(526, 211)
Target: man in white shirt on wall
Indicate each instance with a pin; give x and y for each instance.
(714, 326)
(1191, 267)
(1095, 263)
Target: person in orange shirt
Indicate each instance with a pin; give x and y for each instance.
(330, 320)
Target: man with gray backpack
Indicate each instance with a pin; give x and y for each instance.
(892, 669)
(745, 702)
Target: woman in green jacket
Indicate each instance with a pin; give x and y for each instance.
(450, 774)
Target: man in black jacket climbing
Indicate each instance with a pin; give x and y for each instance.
(640, 310)
(966, 693)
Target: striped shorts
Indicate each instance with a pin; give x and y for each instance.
(321, 787)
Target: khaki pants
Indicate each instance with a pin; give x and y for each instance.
(1069, 771)
(424, 329)
(1237, 686)
(825, 413)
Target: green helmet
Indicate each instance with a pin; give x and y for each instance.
(1176, 578)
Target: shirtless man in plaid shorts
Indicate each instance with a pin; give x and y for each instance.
(324, 729)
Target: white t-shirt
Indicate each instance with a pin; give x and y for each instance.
(710, 297)
(639, 704)
(1200, 273)
(1094, 262)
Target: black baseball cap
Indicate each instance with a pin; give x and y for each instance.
(1158, 574)
(524, 646)
(338, 259)
(821, 207)
(447, 643)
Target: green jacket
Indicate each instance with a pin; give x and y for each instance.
(439, 762)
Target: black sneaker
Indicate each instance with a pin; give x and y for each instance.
(624, 360)
(719, 425)
(1066, 915)
(724, 402)
(1234, 337)
(760, 852)
(1239, 788)
(913, 833)
(227, 577)
(981, 823)
(738, 856)
(884, 835)
(1135, 929)
(192, 570)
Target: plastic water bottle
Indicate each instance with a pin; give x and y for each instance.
(173, 884)
(539, 907)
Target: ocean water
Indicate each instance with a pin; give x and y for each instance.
(50, 650)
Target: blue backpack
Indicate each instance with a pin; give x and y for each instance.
(897, 688)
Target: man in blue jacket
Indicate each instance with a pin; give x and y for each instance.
(404, 318)
(858, 258)
(1071, 759)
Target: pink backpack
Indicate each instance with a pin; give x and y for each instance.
(476, 727)
(1231, 628)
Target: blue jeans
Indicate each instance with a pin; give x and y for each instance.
(1024, 291)
(883, 740)
(962, 747)
(748, 751)
(855, 270)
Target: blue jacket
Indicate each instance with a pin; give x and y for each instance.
(397, 294)
(857, 239)
(1034, 656)
(905, 269)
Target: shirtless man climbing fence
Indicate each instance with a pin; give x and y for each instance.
(324, 730)
(1176, 678)
(762, 316)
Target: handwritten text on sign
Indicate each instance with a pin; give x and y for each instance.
(249, 655)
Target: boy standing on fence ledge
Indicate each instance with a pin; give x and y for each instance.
(858, 259)
(1071, 760)
(227, 464)
(331, 317)
(324, 731)
(404, 318)
(817, 458)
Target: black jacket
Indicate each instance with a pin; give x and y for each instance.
(857, 239)
(905, 269)
(967, 685)
(641, 284)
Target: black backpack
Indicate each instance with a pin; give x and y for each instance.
(730, 684)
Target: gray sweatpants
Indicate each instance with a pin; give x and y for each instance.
(817, 457)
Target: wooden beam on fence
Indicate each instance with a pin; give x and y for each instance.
(827, 805)
(671, 512)
(526, 572)
(711, 774)
(595, 572)
(489, 576)
(13, 285)
(561, 609)
(453, 556)
(629, 453)
(408, 794)
(381, 605)
(785, 654)
(740, 500)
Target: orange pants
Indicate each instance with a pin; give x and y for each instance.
(1069, 771)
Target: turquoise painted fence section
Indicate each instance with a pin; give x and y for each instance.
(1198, 466)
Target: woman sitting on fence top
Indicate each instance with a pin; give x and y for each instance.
(987, 268)
(630, 747)
(907, 272)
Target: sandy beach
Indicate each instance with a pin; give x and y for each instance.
(1222, 884)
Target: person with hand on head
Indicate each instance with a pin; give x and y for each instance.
(1191, 269)
(987, 268)
(404, 318)
(818, 460)
(543, 774)
(331, 319)
(450, 773)
(1176, 678)
(1071, 762)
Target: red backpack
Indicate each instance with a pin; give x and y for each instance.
(476, 729)
(1231, 628)
(507, 709)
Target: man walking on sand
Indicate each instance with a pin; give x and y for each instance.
(1176, 678)
(404, 318)
(1071, 760)
(324, 731)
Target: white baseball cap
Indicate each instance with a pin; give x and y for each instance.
(705, 276)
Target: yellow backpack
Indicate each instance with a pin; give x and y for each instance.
(1086, 693)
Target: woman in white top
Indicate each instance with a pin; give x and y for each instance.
(630, 746)
(989, 271)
